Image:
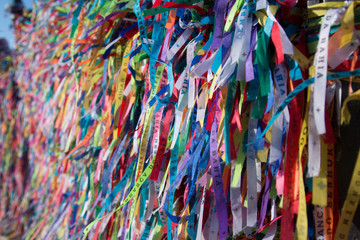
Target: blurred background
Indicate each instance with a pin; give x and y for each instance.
(5, 19)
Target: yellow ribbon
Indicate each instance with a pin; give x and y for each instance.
(350, 204)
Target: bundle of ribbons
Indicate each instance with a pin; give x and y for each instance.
(177, 119)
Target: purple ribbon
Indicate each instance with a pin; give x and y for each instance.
(249, 64)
